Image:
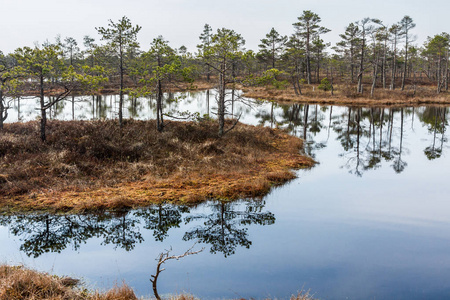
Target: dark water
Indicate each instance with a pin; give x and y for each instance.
(370, 221)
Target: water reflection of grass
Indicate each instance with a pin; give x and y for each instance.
(96, 165)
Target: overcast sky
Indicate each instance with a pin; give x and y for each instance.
(23, 22)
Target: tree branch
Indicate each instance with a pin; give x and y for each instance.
(234, 124)
(58, 98)
(162, 258)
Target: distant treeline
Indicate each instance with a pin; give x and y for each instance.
(370, 55)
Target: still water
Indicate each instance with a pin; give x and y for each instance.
(370, 221)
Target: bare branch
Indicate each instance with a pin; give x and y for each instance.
(234, 124)
(208, 64)
(58, 98)
(162, 258)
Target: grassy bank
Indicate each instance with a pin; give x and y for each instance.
(20, 283)
(346, 95)
(91, 165)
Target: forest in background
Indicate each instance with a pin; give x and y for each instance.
(371, 55)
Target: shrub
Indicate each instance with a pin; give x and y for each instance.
(324, 85)
(269, 77)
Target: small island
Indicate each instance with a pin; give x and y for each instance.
(94, 165)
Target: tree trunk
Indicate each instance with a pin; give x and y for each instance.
(406, 63)
(73, 107)
(375, 73)
(159, 117)
(155, 280)
(298, 85)
(221, 106)
(446, 72)
(439, 76)
(121, 89)
(308, 60)
(2, 110)
(318, 66)
(295, 85)
(394, 65)
(361, 66)
(383, 74)
(273, 55)
(332, 87)
(18, 109)
(352, 63)
(207, 102)
(271, 115)
(42, 103)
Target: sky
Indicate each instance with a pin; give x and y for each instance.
(25, 22)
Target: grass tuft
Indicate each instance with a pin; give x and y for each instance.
(19, 283)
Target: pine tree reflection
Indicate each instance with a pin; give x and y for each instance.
(399, 164)
(43, 233)
(122, 231)
(162, 217)
(51, 233)
(435, 117)
(225, 228)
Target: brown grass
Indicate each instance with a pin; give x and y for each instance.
(302, 295)
(90, 165)
(346, 95)
(19, 283)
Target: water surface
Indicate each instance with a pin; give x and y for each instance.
(370, 221)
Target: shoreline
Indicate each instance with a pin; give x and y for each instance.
(79, 171)
(311, 95)
(19, 282)
(382, 98)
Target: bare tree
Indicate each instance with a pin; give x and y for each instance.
(162, 258)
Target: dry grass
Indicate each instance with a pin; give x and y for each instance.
(90, 165)
(183, 297)
(122, 292)
(302, 295)
(19, 283)
(346, 95)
